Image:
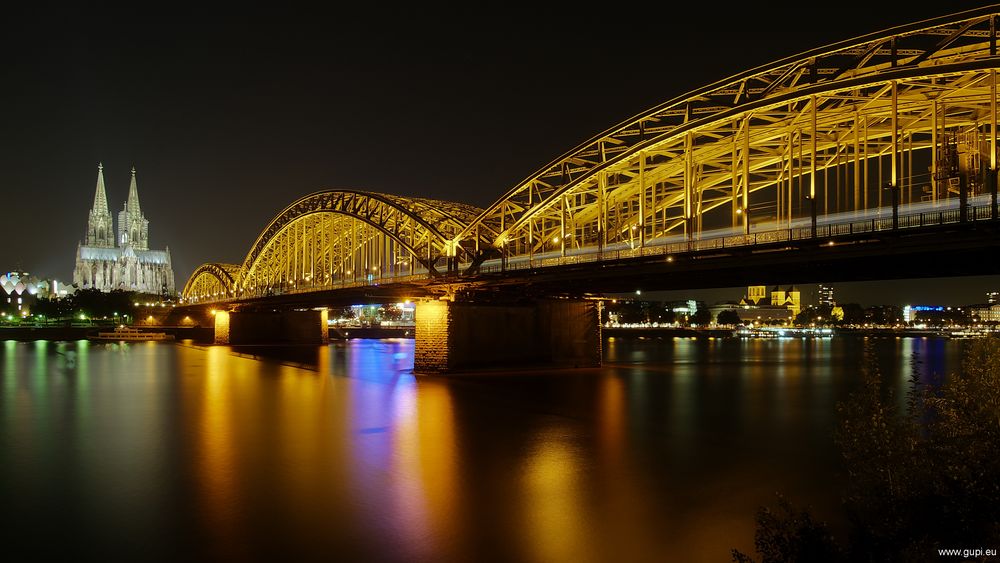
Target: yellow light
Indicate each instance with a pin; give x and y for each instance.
(670, 258)
(214, 312)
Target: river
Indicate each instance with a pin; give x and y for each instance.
(179, 452)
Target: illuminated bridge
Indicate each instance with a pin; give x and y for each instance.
(870, 157)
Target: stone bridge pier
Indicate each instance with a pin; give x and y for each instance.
(457, 336)
(287, 327)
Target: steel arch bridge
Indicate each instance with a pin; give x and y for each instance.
(338, 238)
(891, 124)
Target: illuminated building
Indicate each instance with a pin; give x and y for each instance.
(20, 290)
(825, 295)
(993, 297)
(756, 297)
(107, 262)
(989, 313)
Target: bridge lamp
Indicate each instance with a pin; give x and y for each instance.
(214, 312)
(555, 239)
(670, 258)
(739, 211)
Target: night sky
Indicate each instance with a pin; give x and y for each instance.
(228, 118)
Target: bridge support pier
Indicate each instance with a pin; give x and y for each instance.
(289, 327)
(460, 336)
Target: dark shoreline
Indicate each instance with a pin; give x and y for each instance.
(204, 335)
(55, 333)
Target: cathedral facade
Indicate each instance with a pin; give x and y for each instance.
(108, 259)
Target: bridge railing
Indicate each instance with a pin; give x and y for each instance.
(882, 223)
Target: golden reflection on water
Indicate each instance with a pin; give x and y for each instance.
(213, 392)
(425, 485)
(554, 512)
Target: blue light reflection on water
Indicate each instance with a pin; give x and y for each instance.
(174, 452)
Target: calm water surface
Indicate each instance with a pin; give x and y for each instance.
(175, 452)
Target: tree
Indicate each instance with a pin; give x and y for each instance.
(390, 313)
(920, 479)
(728, 317)
(853, 314)
(701, 316)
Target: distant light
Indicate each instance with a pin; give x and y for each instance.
(670, 258)
(556, 239)
(638, 292)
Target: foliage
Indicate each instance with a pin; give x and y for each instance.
(701, 317)
(791, 535)
(93, 303)
(728, 317)
(919, 480)
(814, 314)
(390, 313)
(853, 314)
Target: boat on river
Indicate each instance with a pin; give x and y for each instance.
(130, 334)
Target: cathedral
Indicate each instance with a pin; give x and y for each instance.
(107, 260)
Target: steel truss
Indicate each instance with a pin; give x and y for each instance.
(341, 237)
(898, 117)
(901, 119)
(212, 282)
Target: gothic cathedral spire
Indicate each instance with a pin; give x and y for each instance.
(100, 231)
(133, 228)
(132, 205)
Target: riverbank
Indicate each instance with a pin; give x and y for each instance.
(663, 332)
(346, 333)
(27, 333)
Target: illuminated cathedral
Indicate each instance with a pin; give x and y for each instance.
(109, 260)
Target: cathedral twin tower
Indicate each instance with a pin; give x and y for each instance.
(107, 260)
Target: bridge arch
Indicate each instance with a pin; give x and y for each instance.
(345, 236)
(906, 115)
(213, 281)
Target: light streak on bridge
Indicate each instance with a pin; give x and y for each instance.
(888, 131)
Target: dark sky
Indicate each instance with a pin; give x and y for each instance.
(230, 117)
